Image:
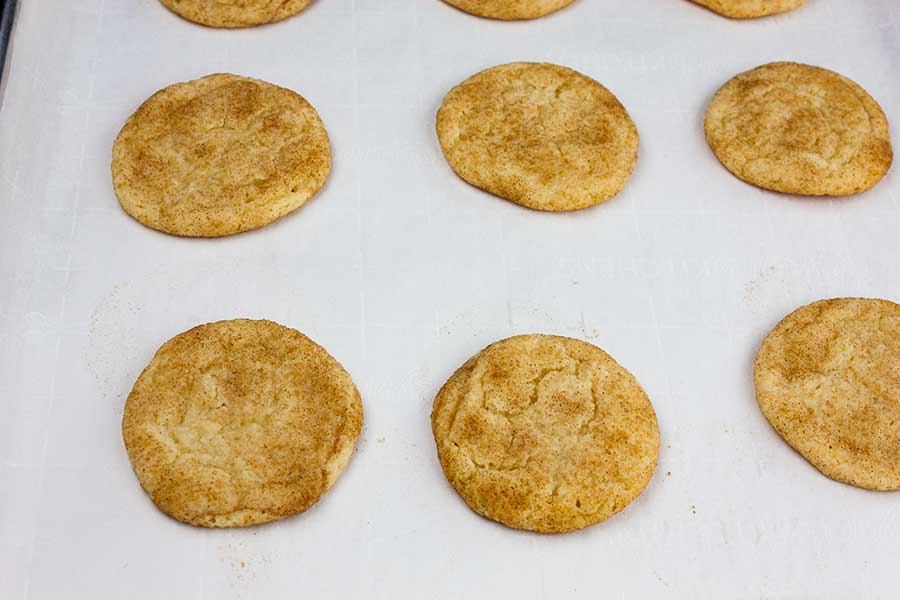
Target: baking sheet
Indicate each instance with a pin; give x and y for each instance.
(403, 271)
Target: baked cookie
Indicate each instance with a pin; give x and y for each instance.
(545, 433)
(509, 10)
(540, 135)
(828, 380)
(799, 129)
(235, 13)
(750, 9)
(219, 155)
(240, 422)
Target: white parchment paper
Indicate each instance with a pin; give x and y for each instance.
(402, 271)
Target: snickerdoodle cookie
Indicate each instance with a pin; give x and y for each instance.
(235, 13)
(750, 9)
(240, 422)
(545, 433)
(509, 10)
(219, 155)
(828, 380)
(538, 134)
(799, 129)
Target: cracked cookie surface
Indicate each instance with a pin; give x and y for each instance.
(218, 156)
(545, 433)
(509, 10)
(235, 13)
(750, 9)
(540, 135)
(240, 422)
(828, 380)
(799, 129)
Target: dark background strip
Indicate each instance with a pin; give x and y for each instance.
(7, 11)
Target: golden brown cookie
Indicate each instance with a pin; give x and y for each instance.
(509, 10)
(235, 13)
(240, 422)
(219, 155)
(828, 380)
(545, 433)
(541, 135)
(799, 129)
(750, 9)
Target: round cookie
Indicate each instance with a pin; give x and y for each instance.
(509, 10)
(545, 433)
(540, 135)
(219, 155)
(235, 13)
(240, 422)
(799, 129)
(750, 9)
(828, 380)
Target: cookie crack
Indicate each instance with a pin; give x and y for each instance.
(535, 382)
(490, 465)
